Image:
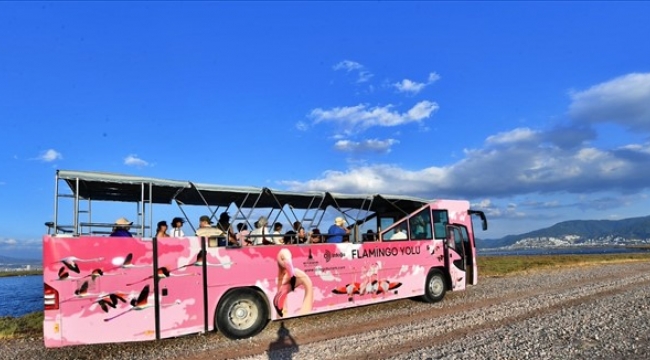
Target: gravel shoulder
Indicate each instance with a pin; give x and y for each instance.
(589, 312)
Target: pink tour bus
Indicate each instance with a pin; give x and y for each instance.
(100, 289)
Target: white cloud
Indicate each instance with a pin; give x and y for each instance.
(363, 75)
(134, 160)
(302, 126)
(512, 136)
(370, 145)
(433, 77)
(414, 87)
(361, 117)
(501, 171)
(348, 65)
(50, 155)
(624, 100)
(21, 248)
(10, 242)
(407, 85)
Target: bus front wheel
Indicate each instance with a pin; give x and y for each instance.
(241, 314)
(435, 287)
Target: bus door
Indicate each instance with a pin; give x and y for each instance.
(455, 256)
(180, 285)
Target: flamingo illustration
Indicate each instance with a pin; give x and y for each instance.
(137, 304)
(104, 301)
(384, 286)
(63, 273)
(71, 262)
(200, 259)
(350, 290)
(288, 279)
(125, 263)
(81, 292)
(366, 286)
(161, 273)
(95, 274)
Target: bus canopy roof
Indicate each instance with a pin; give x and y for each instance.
(104, 186)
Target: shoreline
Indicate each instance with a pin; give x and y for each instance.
(20, 273)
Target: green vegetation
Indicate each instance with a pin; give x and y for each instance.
(489, 266)
(505, 265)
(29, 325)
(20, 273)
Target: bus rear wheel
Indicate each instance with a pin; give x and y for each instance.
(435, 287)
(241, 314)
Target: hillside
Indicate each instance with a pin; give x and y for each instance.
(580, 232)
(4, 260)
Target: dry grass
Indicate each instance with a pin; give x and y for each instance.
(25, 326)
(505, 265)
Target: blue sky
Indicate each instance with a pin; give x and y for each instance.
(536, 112)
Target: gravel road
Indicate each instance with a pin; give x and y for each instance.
(588, 312)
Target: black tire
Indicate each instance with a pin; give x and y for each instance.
(241, 313)
(435, 286)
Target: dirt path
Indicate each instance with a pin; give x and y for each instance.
(377, 332)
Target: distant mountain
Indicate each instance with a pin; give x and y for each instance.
(579, 232)
(12, 260)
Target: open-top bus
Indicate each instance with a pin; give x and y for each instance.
(100, 289)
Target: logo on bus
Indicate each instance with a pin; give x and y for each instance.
(329, 255)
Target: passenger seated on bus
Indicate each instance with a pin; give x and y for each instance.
(301, 237)
(177, 227)
(224, 225)
(399, 234)
(369, 236)
(258, 235)
(205, 228)
(161, 229)
(242, 235)
(315, 236)
(290, 237)
(277, 236)
(122, 227)
(418, 228)
(337, 230)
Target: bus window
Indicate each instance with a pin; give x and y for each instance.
(420, 226)
(440, 220)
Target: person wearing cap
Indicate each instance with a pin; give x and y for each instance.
(206, 229)
(177, 227)
(336, 232)
(122, 227)
(161, 230)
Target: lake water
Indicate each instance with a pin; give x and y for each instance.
(20, 295)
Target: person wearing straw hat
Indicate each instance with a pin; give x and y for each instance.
(122, 227)
(336, 232)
